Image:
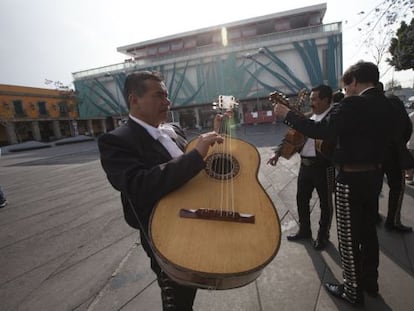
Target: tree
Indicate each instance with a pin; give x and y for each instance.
(402, 47)
(379, 25)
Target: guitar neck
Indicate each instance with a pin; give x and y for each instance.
(297, 111)
(276, 97)
(223, 124)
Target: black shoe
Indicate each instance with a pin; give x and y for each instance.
(338, 291)
(320, 243)
(397, 227)
(372, 293)
(371, 288)
(300, 235)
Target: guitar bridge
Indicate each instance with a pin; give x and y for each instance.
(209, 214)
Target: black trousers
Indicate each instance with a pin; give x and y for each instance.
(175, 297)
(396, 183)
(356, 198)
(319, 176)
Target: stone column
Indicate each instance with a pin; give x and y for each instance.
(11, 133)
(90, 127)
(56, 129)
(36, 131)
(74, 128)
(197, 115)
(241, 114)
(103, 125)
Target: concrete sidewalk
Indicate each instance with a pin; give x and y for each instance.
(65, 246)
(32, 144)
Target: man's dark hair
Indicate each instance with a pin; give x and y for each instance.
(362, 72)
(324, 91)
(135, 83)
(338, 96)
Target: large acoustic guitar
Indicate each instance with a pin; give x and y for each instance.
(220, 229)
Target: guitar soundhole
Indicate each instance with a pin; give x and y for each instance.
(222, 166)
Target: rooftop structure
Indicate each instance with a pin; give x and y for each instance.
(248, 59)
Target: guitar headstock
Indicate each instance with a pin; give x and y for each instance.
(225, 103)
(302, 96)
(279, 98)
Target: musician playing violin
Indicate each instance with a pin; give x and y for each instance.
(316, 172)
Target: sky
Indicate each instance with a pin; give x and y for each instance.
(51, 39)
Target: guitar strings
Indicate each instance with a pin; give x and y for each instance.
(227, 165)
(231, 183)
(223, 167)
(222, 185)
(217, 168)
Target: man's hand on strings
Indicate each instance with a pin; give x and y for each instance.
(206, 140)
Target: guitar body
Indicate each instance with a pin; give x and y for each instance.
(326, 148)
(292, 143)
(220, 251)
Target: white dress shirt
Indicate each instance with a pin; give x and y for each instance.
(164, 134)
(308, 149)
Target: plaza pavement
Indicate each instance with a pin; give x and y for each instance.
(65, 246)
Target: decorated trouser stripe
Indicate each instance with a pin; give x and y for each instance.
(175, 297)
(395, 201)
(330, 178)
(343, 219)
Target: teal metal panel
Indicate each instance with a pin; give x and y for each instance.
(307, 61)
(334, 45)
(296, 82)
(223, 75)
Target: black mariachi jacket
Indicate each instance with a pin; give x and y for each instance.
(327, 156)
(142, 170)
(358, 125)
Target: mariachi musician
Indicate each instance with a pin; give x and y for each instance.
(143, 159)
(316, 171)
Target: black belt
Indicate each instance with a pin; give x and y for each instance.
(359, 167)
(308, 161)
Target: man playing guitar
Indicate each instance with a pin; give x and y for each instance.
(316, 172)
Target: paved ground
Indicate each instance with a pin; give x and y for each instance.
(65, 246)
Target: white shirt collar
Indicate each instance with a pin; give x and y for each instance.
(319, 117)
(164, 134)
(156, 132)
(368, 88)
(153, 131)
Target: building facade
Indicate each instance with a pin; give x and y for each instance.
(248, 59)
(28, 113)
